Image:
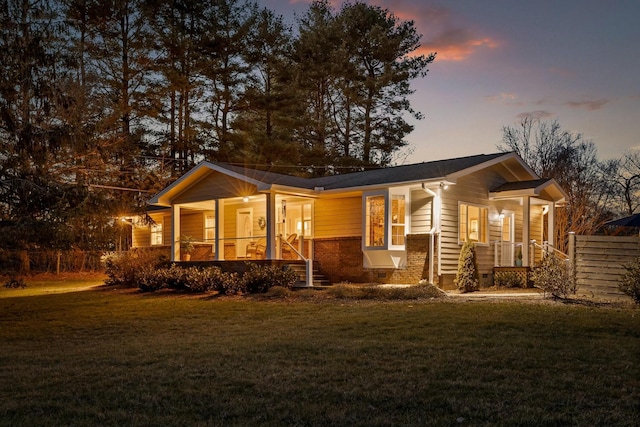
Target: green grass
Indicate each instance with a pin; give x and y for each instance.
(104, 357)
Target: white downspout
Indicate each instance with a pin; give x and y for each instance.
(435, 229)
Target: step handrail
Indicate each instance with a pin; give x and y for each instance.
(308, 262)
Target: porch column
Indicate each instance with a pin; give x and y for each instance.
(175, 233)
(271, 226)
(526, 224)
(551, 224)
(218, 219)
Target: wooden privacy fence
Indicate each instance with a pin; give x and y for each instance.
(598, 262)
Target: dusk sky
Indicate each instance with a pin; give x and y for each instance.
(577, 61)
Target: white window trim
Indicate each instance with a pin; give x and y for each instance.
(161, 232)
(366, 195)
(205, 228)
(387, 193)
(477, 205)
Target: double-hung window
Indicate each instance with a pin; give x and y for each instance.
(473, 223)
(156, 234)
(209, 227)
(385, 222)
(375, 222)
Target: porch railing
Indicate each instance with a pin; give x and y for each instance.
(506, 253)
(307, 261)
(547, 249)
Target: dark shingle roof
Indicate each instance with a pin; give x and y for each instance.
(391, 175)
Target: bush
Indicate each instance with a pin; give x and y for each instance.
(149, 276)
(467, 279)
(508, 279)
(15, 283)
(629, 282)
(126, 268)
(258, 279)
(224, 283)
(553, 277)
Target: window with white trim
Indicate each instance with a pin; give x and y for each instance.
(156, 234)
(209, 227)
(398, 209)
(374, 235)
(473, 223)
(386, 219)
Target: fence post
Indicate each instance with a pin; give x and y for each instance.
(572, 258)
(58, 263)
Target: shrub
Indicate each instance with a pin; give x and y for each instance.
(553, 277)
(467, 279)
(258, 279)
(214, 279)
(152, 279)
(126, 268)
(15, 283)
(629, 282)
(508, 279)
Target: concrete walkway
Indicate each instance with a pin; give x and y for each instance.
(496, 295)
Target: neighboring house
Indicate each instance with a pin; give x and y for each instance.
(392, 225)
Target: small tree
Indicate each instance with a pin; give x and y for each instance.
(553, 277)
(629, 282)
(467, 275)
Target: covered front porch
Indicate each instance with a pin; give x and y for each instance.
(242, 228)
(527, 221)
(233, 214)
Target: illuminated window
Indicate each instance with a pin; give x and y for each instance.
(299, 219)
(398, 205)
(374, 221)
(156, 234)
(473, 223)
(209, 227)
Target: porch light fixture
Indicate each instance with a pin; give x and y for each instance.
(245, 199)
(444, 185)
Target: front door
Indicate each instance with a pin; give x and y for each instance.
(244, 231)
(508, 241)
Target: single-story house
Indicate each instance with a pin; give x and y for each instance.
(391, 225)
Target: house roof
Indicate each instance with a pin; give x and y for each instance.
(440, 170)
(545, 187)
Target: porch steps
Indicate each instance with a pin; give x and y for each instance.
(319, 280)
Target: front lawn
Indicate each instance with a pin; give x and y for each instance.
(107, 357)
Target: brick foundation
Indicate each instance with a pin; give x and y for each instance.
(341, 260)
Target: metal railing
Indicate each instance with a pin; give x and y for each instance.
(307, 261)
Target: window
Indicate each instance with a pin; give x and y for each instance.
(156, 234)
(209, 227)
(385, 219)
(398, 205)
(299, 219)
(374, 221)
(474, 223)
